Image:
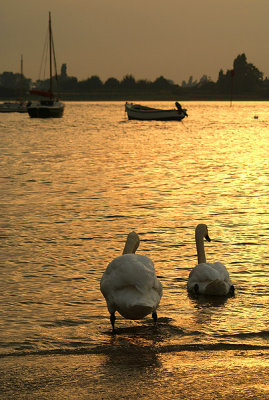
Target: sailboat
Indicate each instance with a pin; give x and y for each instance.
(48, 106)
(20, 105)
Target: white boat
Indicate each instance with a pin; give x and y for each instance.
(48, 106)
(13, 106)
(144, 113)
(10, 107)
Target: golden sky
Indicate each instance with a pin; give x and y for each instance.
(145, 38)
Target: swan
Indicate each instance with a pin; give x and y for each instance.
(130, 285)
(206, 278)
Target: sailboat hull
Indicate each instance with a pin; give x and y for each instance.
(9, 107)
(49, 110)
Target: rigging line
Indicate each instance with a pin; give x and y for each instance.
(44, 57)
(54, 57)
(45, 62)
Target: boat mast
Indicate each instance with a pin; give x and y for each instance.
(50, 53)
(21, 81)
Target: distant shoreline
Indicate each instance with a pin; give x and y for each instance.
(157, 96)
(142, 97)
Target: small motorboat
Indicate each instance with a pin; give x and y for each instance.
(144, 113)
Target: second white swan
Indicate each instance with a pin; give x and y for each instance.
(208, 278)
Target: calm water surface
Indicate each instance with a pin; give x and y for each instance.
(73, 188)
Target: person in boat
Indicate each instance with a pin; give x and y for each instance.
(178, 106)
(180, 109)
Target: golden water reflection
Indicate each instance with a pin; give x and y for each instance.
(72, 190)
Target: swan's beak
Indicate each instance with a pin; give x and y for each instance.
(207, 238)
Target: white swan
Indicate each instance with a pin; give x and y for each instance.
(206, 278)
(130, 285)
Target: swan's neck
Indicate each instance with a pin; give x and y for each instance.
(128, 248)
(131, 244)
(200, 248)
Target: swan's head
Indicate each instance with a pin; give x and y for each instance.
(202, 231)
(132, 243)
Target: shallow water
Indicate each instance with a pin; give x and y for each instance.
(136, 374)
(73, 188)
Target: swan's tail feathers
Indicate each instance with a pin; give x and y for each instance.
(217, 287)
(131, 304)
(135, 311)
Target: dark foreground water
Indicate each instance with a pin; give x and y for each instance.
(71, 191)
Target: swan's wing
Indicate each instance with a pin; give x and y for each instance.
(158, 287)
(203, 272)
(222, 271)
(130, 270)
(212, 279)
(130, 279)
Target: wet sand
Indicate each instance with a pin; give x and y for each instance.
(132, 374)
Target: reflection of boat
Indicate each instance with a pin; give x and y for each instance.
(19, 106)
(136, 111)
(48, 106)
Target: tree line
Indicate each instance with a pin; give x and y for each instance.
(243, 81)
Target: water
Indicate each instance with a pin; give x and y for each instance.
(73, 188)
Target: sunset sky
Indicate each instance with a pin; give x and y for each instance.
(145, 38)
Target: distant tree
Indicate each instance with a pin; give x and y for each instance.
(10, 80)
(143, 84)
(206, 84)
(95, 82)
(191, 83)
(204, 80)
(7, 93)
(162, 83)
(266, 83)
(112, 84)
(92, 83)
(13, 81)
(265, 88)
(70, 83)
(246, 76)
(221, 74)
(223, 83)
(128, 82)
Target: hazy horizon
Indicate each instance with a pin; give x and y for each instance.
(174, 38)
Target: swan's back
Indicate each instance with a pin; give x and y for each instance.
(130, 286)
(210, 278)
